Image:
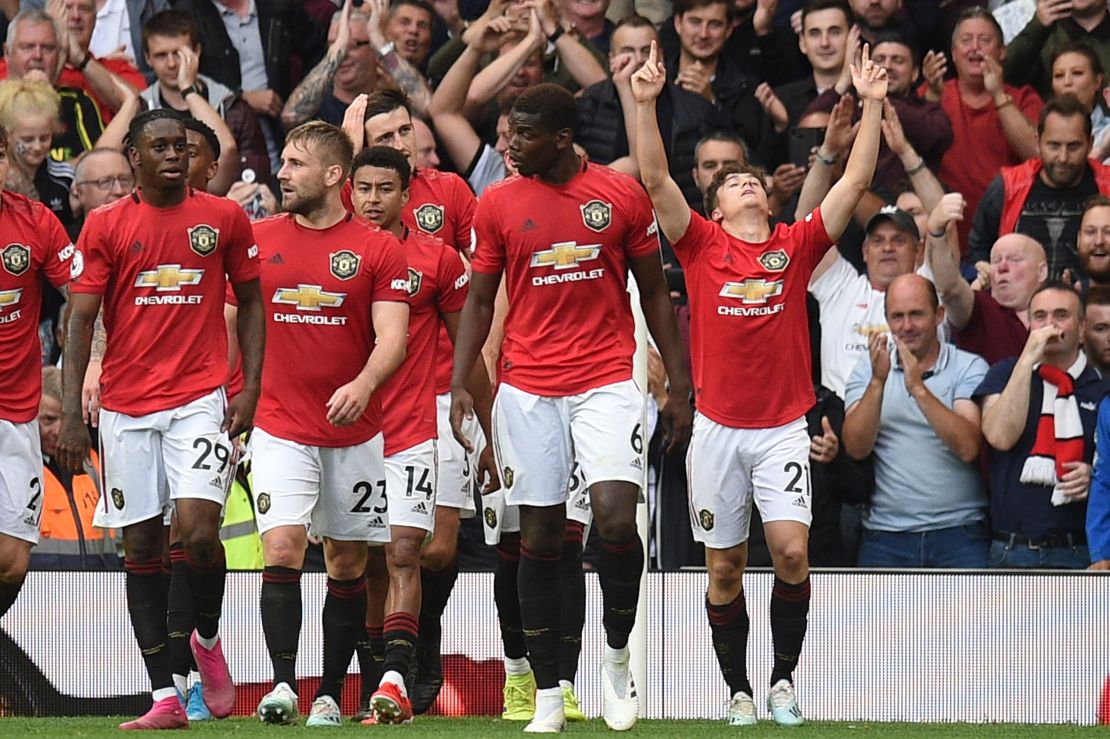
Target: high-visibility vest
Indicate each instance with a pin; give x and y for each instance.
(68, 538)
(238, 532)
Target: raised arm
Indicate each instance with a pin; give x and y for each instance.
(306, 98)
(943, 254)
(871, 86)
(116, 131)
(1004, 414)
(1019, 131)
(576, 57)
(925, 184)
(199, 108)
(838, 137)
(498, 73)
(670, 205)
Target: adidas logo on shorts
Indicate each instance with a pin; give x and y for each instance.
(800, 501)
(419, 508)
(636, 464)
(217, 483)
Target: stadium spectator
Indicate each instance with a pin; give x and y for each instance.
(68, 539)
(1096, 328)
(173, 49)
(876, 17)
(993, 324)
(29, 112)
(603, 108)
(349, 69)
(924, 124)
(992, 123)
(911, 405)
(715, 150)
(588, 18)
(1044, 196)
(1076, 70)
(100, 176)
(1030, 55)
(1039, 413)
(426, 156)
(1093, 241)
(408, 27)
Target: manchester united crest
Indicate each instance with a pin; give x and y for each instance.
(344, 264)
(705, 518)
(263, 503)
(429, 217)
(775, 261)
(491, 517)
(596, 215)
(16, 258)
(415, 278)
(507, 476)
(117, 498)
(203, 239)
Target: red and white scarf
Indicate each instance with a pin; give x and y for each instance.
(1059, 429)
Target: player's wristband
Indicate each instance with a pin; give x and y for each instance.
(80, 67)
(190, 90)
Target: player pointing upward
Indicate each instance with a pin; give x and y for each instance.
(747, 286)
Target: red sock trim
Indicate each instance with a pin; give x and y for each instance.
(347, 589)
(375, 632)
(793, 593)
(215, 564)
(621, 547)
(143, 566)
(400, 621)
(526, 553)
(723, 615)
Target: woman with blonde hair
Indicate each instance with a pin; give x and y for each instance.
(29, 112)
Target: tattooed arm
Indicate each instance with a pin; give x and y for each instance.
(406, 77)
(307, 97)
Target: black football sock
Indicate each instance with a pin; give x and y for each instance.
(729, 625)
(789, 618)
(281, 620)
(146, 604)
(507, 598)
(399, 633)
(8, 593)
(435, 591)
(371, 657)
(206, 583)
(619, 570)
(179, 614)
(572, 616)
(538, 585)
(343, 621)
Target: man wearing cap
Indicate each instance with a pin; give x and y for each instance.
(910, 403)
(852, 304)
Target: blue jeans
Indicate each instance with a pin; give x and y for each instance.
(1005, 554)
(956, 547)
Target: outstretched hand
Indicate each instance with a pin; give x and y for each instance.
(868, 78)
(648, 80)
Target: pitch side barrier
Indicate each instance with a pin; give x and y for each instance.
(896, 645)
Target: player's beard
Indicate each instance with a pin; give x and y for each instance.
(305, 202)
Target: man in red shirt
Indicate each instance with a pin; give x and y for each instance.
(337, 298)
(160, 260)
(442, 205)
(747, 287)
(565, 233)
(36, 246)
(437, 286)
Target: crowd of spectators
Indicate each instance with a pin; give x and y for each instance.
(960, 328)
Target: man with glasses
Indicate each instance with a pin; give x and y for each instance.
(101, 176)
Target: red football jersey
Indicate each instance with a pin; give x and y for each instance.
(319, 287)
(163, 274)
(749, 330)
(437, 285)
(33, 245)
(565, 251)
(234, 374)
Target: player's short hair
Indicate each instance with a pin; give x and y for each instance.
(635, 21)
(142, 120)
(727, 137)
(52, 382)
(421, 4)
(1083, 50)
(171, 23)
(553, 104)
(814, 6)
(725, 172)
(328, 142)
(384, 157)
(896, 37)
(1059, 286)
(980, 13)
(192, 124)
(1095, 201)
(682, 7)
(20, 98)
(1067, 106)
(385, 101)
(1097, 295)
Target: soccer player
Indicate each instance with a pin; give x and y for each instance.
(440, 204)
(336, 314)
(747, 288)
(159, 260)
(36, 246)
(437, 281)
(565, 233)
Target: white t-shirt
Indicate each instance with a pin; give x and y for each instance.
(112, 30)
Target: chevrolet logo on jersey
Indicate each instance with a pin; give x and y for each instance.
(565, 255)
(169, 277)
(309, 298)
(10, 297)
(752, 291)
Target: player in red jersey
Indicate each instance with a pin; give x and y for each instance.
(565, 233)
(35, 246)
(442, 205)
(159, 260)
(437, 291)
(336, 312)
(747, 286)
